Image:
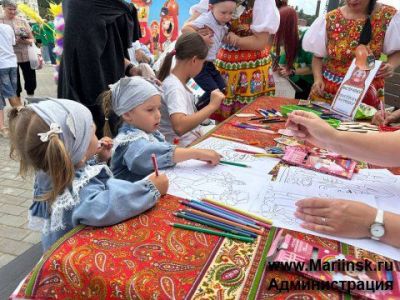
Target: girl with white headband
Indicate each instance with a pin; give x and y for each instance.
(56, 138)
(138, 101)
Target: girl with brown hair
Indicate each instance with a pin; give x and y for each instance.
(179, 118)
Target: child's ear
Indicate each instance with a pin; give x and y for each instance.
(126, 117)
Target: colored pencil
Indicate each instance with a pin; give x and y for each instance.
(238, 216)
(246, 151)
(212, 232)
(239, 230)
(382, 105)
(217, 213)
(233, 216)
(273, 121)
(256, 129)
(154, 159)
(257, 118)
(214, 224)
(267, 155)
(227, 138)
(233, 164)
(198, 212)
(258, 218)
(258, 125)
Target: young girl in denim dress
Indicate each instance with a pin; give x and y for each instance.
(138, 101)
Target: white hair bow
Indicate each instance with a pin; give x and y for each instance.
(54, 129)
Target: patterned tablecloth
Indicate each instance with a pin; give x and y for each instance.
(146, 258)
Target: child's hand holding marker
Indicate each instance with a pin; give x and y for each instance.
(160, 181)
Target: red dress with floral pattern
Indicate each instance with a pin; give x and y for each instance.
(342, 40)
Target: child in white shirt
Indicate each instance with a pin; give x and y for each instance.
(179, 118)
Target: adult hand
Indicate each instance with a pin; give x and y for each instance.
(216, 99)
(308, 126)
(393, 117)
(161, 182)
(318, 87)
(207, 34)
(336, 217)
(284, 72)
(231, 39)
(210, 156)
(385, 71)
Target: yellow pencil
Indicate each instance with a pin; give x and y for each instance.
(267, 155)
(227, 138)
(242, 212)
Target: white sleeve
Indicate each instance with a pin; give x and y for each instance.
(200, 22)
(265, 16)
(12, 35)
(314, 40)
(176, 101)
(200, 7)
(391, 43)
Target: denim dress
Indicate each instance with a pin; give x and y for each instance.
(131, 159)
(95, 199)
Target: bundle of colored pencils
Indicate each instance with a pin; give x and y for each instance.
(232, 222)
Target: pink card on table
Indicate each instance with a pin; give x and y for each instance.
(308, 158)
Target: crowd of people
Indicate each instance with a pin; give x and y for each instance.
(231, 49)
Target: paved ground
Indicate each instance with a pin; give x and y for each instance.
(15, 193)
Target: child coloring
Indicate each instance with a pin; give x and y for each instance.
(55, 138)
(138, 101)
(179, 116)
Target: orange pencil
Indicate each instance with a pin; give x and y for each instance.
(228, 138)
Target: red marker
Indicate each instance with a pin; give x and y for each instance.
(154, 159)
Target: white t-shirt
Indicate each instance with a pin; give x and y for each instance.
(177, 99)
(208, 19)
(8, 59)
(265, 15)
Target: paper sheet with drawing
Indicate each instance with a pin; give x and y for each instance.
(229, 184)
(226, 148)
(380, 183)
(278, 203)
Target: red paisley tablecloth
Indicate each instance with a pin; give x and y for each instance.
(146, 258)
